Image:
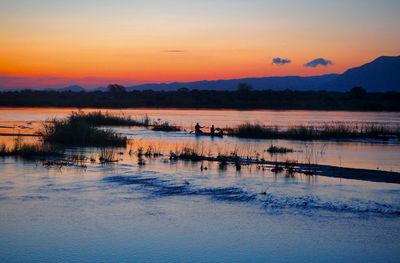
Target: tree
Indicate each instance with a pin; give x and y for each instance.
(184, 89)
(116, 90)
(357, 92)
(244, 87)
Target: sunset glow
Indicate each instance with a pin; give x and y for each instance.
(52, 43)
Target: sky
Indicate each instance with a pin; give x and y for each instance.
(52, 43)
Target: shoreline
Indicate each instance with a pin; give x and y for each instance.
(370, 175)
(363, 174)
(311, 170)
(192, 108)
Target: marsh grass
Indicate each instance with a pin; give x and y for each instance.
(277, 168)
(59, 163)
(248, 130)
(313, 153)
(28, 150)
(98, 118)
(332, 130)
(152, 151)
(273, 149)
(165, 126)
(49, 155)
(187, 153)
(222, 160)
(107, 155)
(290, 167)
(74, 131)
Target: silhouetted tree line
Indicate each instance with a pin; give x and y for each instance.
(245, 97)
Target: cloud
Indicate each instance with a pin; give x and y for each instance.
(173, 51)
(317, 62)
(281, 61)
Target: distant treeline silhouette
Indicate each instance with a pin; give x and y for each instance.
(245, 97)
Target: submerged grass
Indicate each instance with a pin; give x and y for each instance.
(107, 155)
(332, 130)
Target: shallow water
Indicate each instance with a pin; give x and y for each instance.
(172, 211)
(338, 153)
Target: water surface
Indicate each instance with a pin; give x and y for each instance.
(359, 154)
(167, 211)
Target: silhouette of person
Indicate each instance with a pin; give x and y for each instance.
(197, 128)
(212, 130)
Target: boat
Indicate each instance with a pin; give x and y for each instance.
(217, 134)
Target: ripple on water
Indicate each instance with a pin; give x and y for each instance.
(274, 202)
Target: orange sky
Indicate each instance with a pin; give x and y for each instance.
(139, 42)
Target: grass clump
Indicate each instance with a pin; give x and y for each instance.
(278, 150)
(248, 130)
(165, 126)
(73, 131)
(152, 152)
(290, 167)
(30, 150)
(107, 156)
(334, 130)
(98, 118)
(187, 153)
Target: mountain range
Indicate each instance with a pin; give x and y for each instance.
(73, 88)
(379, 75)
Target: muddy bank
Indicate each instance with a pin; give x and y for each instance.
(343, 172)
(315, 169)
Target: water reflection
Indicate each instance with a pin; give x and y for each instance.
(383, 156)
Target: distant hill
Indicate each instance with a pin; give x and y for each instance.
(102, 89)
(73, 88)
(275, 83)
(380, 75)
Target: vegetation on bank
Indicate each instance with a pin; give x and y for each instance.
(28, 150)
(77, 132)
(187, 153)
(247, 98)
(327, 131)
(165, 126)
(98, 118)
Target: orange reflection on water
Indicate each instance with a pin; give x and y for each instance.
(383, 156)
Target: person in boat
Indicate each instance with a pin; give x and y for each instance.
(197, 128)
(212, 130)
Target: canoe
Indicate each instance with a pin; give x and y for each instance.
(209, 134)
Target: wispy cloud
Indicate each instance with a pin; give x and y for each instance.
(173, 51)
(318, 62)
(281, 61)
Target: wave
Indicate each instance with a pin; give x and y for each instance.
(309, 202)
(272, 202)
(164, 188)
